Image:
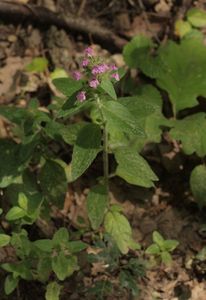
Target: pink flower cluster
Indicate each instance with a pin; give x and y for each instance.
(95, 70)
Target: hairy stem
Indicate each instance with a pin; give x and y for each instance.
(105, 147)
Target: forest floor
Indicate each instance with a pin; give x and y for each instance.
(168, 208)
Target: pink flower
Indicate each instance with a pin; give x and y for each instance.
(113, 67)
(77, 75)
(98, 69)
(81, 96)
(115, 76)
(88, 51)
(94, 83)
(85, 62)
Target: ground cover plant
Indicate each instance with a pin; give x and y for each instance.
(98, 129)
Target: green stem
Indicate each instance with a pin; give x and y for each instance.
(105, 146)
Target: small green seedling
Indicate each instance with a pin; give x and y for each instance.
(161, 248)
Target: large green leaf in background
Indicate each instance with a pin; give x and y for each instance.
(86, 148)
(197, 17)
(178, 69)
(133, 167)
(198, 184)
(191, 132)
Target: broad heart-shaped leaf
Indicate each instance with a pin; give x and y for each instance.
(67, 86)
(198, 184)
(97, 201)
(64, 266)
(197, 17)
(133, 168)
(119, 119)
(86, 148)
(108, 87)
(190, 131)
(53, 290)
(178, 69)
(119, 228)
(4, 239)
(137, 50)
(53, 181)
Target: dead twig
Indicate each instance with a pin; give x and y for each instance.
(40, 16)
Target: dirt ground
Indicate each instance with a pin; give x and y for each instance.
(169, 207)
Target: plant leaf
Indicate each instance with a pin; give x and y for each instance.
(44, 245)
(64, 266)
(15, 213)
(97, 202)
(197, 17)
(76, 246)
(53, 181)
(198, 184)
(153, 249)
(189, 132)
(171, 68)
(67, 86)
(86, 148)
(137, 50)
(166, 258)
(108, 87)
(119, 228)
(38, 64)
(133, 168)
(61, 236)
(158, 239)
(4, 239)
(10, 284)
(53, 291)
(118, 116)
(170, 245)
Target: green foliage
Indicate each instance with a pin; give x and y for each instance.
(182, 28)
(53, 291)
(171, 68)
(108, 87)
(38, 64)
(53, 181)
(161, 248)
(133, 168)
(4, 239)
(67, 86)
(189, 132)
(197, 17)
(119, 228)
(197, 184)
(86, 148)
(97, 203)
